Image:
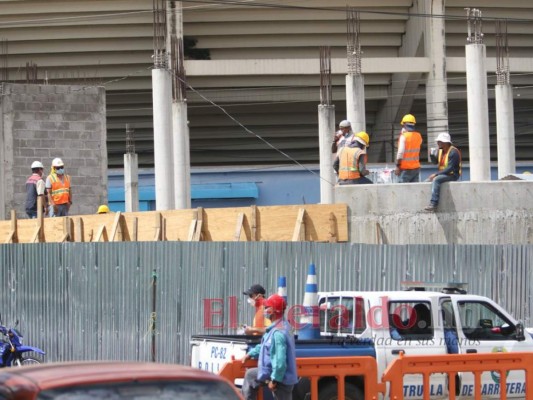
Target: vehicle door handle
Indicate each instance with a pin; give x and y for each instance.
(470, 351)
(397, 351)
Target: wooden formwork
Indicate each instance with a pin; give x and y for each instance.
(316, 223)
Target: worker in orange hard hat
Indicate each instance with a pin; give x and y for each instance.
(350, 163)
(408, 156)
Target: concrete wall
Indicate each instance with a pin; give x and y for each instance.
(469, 213)
(41, 122)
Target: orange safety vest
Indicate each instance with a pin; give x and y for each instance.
(443, 161)
(349, 162)
(411, 154)
(60, 190)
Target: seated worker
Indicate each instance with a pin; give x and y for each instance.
(256, 298)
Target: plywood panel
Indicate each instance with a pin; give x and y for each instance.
(277, 223)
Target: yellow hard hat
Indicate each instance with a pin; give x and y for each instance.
(408, 119)
(363, 138)
(103, 209)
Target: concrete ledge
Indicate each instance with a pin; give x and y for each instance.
(499, 212)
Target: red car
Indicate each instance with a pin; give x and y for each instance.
(113, 380)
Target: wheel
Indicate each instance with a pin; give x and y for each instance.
(30, 360)
(351, 392)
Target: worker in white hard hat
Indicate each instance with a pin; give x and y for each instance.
(59, 190)
(343, 137)
(450, 168)
(350, 162)
(35, 188)
(408, 155)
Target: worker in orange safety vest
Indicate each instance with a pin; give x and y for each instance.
(408, 156)
(59, 190)
(350, 163)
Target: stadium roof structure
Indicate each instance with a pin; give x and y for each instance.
(253, 69)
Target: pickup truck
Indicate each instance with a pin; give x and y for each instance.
(385, 324)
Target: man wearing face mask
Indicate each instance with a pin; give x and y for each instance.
(59, 191)
(256, 298)
(276, 356)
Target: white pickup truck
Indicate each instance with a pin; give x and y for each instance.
(383, 324)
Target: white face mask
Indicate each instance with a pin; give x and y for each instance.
(251, 301)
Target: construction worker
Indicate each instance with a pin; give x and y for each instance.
(450, 168)
(276, 356)
(103, 209)
(408, 156)
(343, 137)
(350, 162)
(35, 188)
(256, 298)
(59, 190)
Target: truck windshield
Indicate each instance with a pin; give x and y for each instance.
(342, 315)
(164, 390)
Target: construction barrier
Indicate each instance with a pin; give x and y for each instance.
(452, 364)
(315, 368)
(310, 222)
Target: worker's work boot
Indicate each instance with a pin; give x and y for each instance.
(432, 207)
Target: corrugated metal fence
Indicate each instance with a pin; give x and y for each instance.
(138, 300)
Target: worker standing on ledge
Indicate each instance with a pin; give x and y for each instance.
(408, 156)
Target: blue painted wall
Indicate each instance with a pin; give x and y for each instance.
(261, 185)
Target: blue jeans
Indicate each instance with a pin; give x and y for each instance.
(435, 186)
(409, 175)
(31, 214)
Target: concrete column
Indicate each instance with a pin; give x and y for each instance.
(478, 112)
(355, 102)
(436, 83)
(131, 182)
(164, 169)
(326, 128)
(182, 163)
(505, 130)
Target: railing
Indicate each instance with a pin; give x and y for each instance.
(315, 368)
(366, 367)
(452, 364)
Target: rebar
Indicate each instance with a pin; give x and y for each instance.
(325, 76)
(353, 47)
(4, 54)
(474, 23)
(130, 141)
(502, 53)
(160, 33)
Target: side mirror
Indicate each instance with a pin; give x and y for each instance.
(520, 336)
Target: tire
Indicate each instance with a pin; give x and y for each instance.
(30, 360)
(351, 392)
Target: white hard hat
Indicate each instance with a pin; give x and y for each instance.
(444, 137)
(57, 162)
(345, 124)
(37, 164)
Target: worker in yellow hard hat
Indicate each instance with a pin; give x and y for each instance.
(408, 156)
(350, 162)
(103, 209)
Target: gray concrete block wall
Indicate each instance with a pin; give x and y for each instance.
(497, 212)
(42, 122)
